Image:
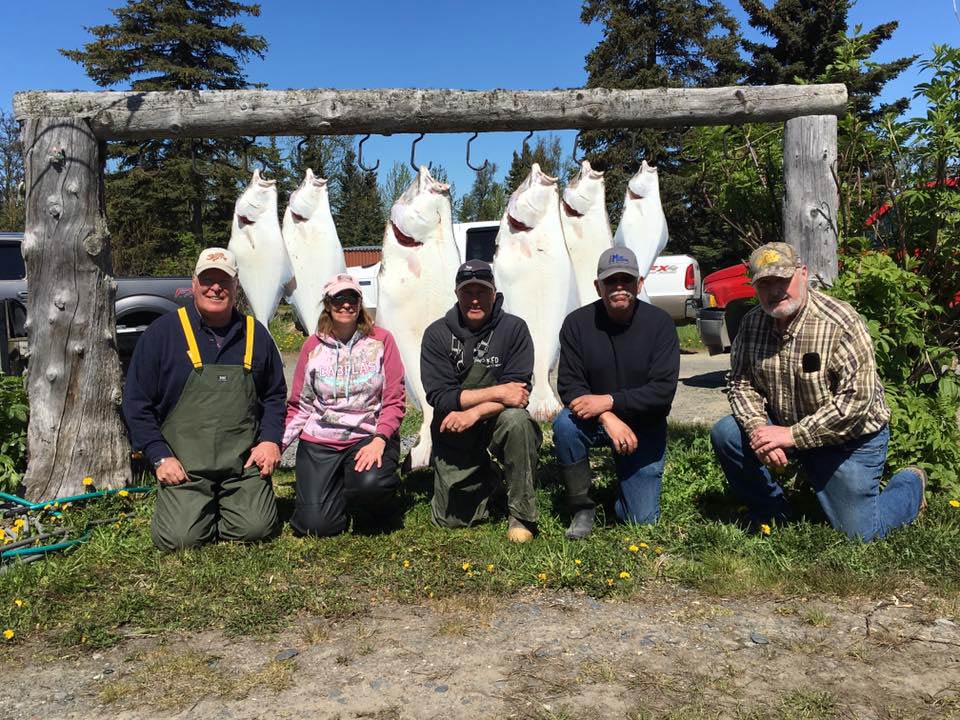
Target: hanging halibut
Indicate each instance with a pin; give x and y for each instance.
(643, 226)
(313, 246)
(532, 270)
(256, 240)
(416, 282)
(586, 228)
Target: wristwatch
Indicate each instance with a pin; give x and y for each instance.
(159, 462)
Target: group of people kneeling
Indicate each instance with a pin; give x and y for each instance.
(206, 401)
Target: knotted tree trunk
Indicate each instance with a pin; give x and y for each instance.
(73, 382)
(811, 197)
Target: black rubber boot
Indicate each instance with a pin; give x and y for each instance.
(577, 478)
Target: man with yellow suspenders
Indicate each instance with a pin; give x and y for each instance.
(204, 400)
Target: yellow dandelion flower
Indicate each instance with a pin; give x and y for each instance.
(578, 561)
(8, 634)
(643, 546)
(116, 526)
(466, 566)
(955, 503)
(430, 595)
(658, 550)
(88, 481)
(406, 563)
(490, 568)
(19, 523)
(3, 533)
(609, 581)
(633, 549)
(542, 577)
(624, 575)
(577, 573)
(765, 529)
(122, 515)
(18, 602)
(124, 493)
(65, 506)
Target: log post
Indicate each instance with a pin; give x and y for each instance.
(73, 381)
(811, 198)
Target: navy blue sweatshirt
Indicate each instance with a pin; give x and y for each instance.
(637, 364)
(160, 367)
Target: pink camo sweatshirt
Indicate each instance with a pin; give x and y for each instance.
(345, 392)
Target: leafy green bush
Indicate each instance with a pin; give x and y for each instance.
(13, 432)
(919, 377)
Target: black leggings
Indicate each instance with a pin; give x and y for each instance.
(327, 483)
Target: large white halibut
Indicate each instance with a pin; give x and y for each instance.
(256, 240)
(643, 226)
(313, 246)
(586, 228)
(532, 270)
(416, 282)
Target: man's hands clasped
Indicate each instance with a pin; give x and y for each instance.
(770, 443)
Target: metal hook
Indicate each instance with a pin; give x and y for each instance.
(298, 152)
(485, 162)
(360, 155)
(413, 155)
(523, 146)
(574, 151)
(247, 144)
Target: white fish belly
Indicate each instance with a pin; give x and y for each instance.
(586, 237)
(643, 229)
(263, 265)
(532, 270)
(315, 254)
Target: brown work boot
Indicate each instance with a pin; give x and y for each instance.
(922, 474)
(518, 531)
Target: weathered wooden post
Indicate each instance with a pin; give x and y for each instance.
(73, 381)
(811, 197)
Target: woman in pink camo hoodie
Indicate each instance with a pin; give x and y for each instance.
(345, 406)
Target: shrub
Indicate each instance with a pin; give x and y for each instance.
(919, 377)
(13, 432)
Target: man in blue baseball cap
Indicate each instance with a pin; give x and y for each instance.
(619, 363)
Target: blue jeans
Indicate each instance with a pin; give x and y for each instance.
(846, 479)
(639, 474)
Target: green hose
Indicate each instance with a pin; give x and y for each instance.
(69, 498)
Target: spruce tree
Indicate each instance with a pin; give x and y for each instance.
(806, 35)
(162, 204)
(486, 200)
(546, 153)
(398, 179)
(358, 211)
(649, 44)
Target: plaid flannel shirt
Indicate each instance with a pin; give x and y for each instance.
(836, 399)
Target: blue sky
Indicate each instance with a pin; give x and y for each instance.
(515, 44)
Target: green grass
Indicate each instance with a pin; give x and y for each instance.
(690, 338)
(117, 584)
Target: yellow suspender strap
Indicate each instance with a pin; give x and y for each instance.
(248, 352)
(193, 352)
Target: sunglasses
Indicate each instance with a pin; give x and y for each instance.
(474, 275)
(342, 298)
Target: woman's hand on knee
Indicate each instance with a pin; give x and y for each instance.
(369, 455)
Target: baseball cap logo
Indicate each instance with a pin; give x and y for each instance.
(215, 256)
(619, 259)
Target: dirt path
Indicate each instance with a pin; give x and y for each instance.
(547, 655)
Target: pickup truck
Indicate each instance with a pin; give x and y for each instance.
(726, 297)
(139, 302)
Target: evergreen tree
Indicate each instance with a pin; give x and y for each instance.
(658, 43)
(545, 153)
(168, 198)
(486, 200)
(398, 179)
(11, 175)
(806, 35)
(358, 211)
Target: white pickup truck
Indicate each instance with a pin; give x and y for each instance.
(673, 282)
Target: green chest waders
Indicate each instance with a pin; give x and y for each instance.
(214, 424)
(465, 476)
(211, 431)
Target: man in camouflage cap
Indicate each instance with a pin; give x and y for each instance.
(804, 390)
